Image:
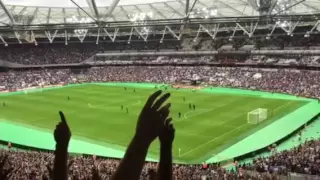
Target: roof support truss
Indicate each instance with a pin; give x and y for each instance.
(4, 42)
(288, 29)
(175, 35)
(98, 36)
(93, 7)
(233, 9)
(250, 31)
(125, 12)
(48, 16)
(78, 10)
(65, 37)
(311, 7)
(112, 37)
(64, 15)
(143, 36)
(187, 7)
(49, 36)
(33, 38)
(7, 12)
(111, 8)
(137, 7)
(219, 14)
(81, 35)
(211, 31)
(23, 10)
(174, 10)
(312, 29)
(159, 12)
(131, 32)
(34, 15)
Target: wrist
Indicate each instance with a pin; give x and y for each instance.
(166, 144)
(141, 141)
(62, 146)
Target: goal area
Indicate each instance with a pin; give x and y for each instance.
(257, 115)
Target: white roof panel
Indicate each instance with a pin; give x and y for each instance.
(160, 9)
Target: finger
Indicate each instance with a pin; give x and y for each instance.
(171, 128)
(160, 101)
(165, 108)
(62, 117)
(152, 98)
(164, 111)
(168, 122)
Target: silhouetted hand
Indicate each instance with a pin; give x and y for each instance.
(152, 117)
(166, 136)
(5, 173)
(62, 132)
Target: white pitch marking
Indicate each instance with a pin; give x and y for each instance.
(212, 140)
(227, 132)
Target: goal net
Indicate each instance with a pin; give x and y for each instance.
(257, 115)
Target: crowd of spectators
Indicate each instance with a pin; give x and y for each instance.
(36, 165)
(304, 159)
(300, 83)
(41, 54)
(44, 54)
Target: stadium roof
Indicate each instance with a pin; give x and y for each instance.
(66, 12)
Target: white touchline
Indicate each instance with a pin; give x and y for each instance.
(283, 105)
(228, 132)
(212, 140)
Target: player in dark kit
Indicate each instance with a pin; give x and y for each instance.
(190, 106)
(121, 107)
(194, 107)
(179, 114)
(125, 88)
(68, 97)
(184, 98)
(134, 90)
(127, 110)
(4, 104)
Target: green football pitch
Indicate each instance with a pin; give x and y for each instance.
(94, 112)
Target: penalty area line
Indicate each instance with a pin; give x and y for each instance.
(193, 149)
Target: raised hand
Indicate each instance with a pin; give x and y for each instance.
(152, 117)
(62, 132)
(149, 126)
(166, 136)
(62, 137)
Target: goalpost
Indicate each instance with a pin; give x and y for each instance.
(257, 115)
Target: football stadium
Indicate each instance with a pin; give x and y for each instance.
(160, 89)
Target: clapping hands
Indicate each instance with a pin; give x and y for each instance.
(153, 117)
(166, 136)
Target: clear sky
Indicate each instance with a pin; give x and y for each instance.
(68, 3)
